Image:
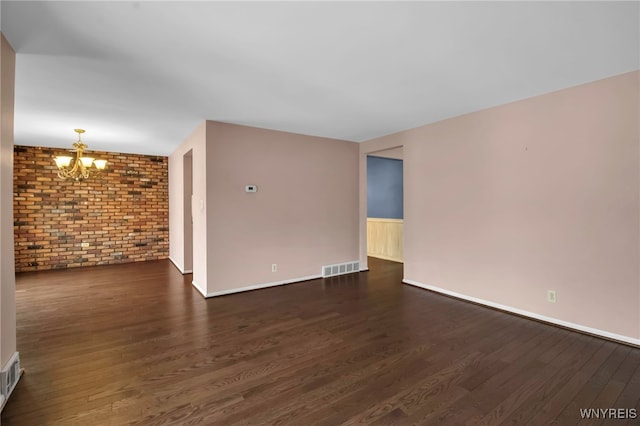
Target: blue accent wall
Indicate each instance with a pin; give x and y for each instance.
(384, 187)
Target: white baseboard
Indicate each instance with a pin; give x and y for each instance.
(585, 329)
(182, 271)
(259, 286)
(197, 286)
(14, 359)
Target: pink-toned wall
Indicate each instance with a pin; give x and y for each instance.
(7, 272)
(304, 215)
(542, 194)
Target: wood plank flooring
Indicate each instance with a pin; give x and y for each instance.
(136, 344)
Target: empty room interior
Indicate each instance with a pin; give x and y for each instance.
(327, 213)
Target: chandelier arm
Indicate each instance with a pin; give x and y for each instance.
(78, 171)
(76, 163)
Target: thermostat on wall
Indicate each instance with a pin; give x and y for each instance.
(251, 188)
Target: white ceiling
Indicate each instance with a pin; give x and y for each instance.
(140, 76)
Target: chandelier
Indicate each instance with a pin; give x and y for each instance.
(78, 168)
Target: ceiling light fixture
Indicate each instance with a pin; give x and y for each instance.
(78, 168)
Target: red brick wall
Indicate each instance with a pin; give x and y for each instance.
(122, 216)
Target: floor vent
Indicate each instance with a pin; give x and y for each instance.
(340, 269)
(10, 375)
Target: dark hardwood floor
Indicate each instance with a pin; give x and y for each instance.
(136, 344)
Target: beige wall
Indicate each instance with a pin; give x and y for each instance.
(542, 194)
(304, 215)
(7, 274)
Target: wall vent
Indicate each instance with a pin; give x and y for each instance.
(10, 375)
(340, 269)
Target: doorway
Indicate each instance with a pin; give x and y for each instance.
(188, 211)
(385, 204)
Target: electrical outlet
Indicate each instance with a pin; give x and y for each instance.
(84, 245)
(551, 296)
(274, 267)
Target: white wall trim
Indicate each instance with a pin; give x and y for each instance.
(259, 286)
(589, 330)
(15, 356)
(197, 286)
(182, 271)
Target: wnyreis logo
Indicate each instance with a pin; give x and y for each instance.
(608, 413)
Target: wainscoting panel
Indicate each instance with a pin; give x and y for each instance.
(384, 238)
